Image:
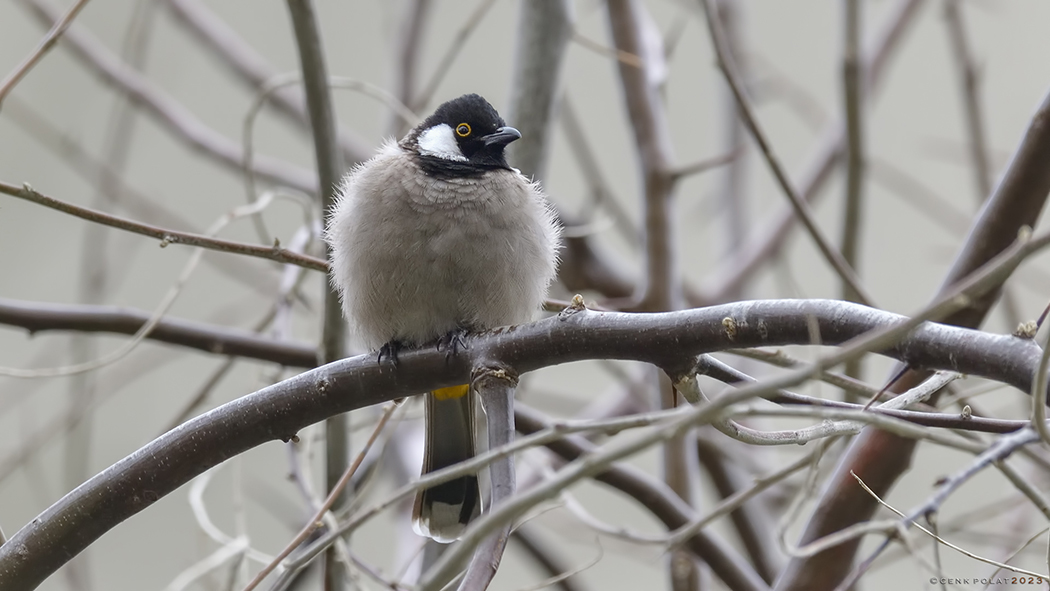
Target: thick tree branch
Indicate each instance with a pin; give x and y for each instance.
(666, 339)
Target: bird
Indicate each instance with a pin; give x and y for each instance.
(434, 237)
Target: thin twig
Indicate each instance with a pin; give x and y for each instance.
(45, 45)
(166, 236)
(620, 55)
(943, 541)
(707, 164)
(993, 455)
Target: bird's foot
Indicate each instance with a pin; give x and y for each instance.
(452, 342)
(390, 351)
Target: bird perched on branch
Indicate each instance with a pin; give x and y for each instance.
(434, 236)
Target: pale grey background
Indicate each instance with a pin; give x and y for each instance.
(916, 124)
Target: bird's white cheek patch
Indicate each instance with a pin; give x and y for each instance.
(439, 141)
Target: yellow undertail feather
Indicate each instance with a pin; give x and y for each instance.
(452, 392)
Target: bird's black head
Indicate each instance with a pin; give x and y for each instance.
(464, 137)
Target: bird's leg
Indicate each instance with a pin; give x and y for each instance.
(452, 342)
(390, 351)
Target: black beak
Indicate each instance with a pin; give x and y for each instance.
(502, 137)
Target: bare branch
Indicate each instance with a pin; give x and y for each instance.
(49, 40)
(274, 253)
(38, 317)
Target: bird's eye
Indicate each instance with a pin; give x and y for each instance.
(462, 130)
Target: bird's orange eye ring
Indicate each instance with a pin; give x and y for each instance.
(462, 130)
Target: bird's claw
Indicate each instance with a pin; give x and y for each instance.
(390, 351)
(452, 342)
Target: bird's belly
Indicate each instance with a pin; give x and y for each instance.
(452, 269)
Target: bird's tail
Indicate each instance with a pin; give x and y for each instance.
(442, 512)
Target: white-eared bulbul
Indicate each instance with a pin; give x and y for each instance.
(434, 236)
